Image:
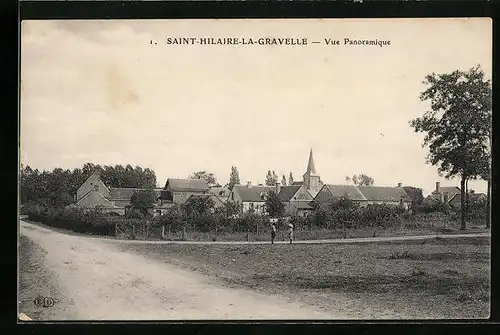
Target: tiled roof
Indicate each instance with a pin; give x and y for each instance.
(123, 193)
(472, 196)
(298, 183)
(187, 184)
(380, 193)
(253, 193)
(99, 199)
(218, 190)
(351, 191)
(451, 190)
(287, 192)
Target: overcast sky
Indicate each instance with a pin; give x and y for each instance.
(98, 91)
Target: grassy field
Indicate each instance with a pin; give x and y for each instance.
(438, 278)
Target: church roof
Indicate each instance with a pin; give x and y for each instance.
(311, 170)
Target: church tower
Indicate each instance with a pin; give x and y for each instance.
(312, 181)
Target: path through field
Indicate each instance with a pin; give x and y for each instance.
(92, 280)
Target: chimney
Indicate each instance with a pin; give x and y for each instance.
(400, 184)
(278, 187)
(249, 184)
(438, 187)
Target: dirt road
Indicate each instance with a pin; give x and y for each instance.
(92, 280)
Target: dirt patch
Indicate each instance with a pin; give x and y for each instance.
(99, 282)
(37, 280)
(361, 277)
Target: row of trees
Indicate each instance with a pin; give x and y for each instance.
(234, 178)
(57, 188)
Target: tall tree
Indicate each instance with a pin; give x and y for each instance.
(283, 181)
(362, 180)
(290, 179)
(142, 200)
(234, 177)
(415, 194)
(484, 161)
(274, 206)
(457, 126)
(206, 176)
(269, 178)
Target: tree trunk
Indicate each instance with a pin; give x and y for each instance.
(462, 203)
(488, 205)
(466, 200)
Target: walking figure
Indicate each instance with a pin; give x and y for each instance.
(290, 232)
(273, 232)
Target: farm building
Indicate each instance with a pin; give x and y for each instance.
(251, 198)
(94, 193)
(179, 190)
(296, 199)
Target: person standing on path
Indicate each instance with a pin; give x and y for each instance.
(290, 232)
(273, 232)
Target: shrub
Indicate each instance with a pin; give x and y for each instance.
(380, 215)
(74, 219)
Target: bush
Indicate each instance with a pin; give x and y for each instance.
(433, 206)
(74, 219)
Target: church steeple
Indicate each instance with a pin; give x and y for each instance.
(312, 181)
(311, 170)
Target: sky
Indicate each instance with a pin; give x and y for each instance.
(102, 92)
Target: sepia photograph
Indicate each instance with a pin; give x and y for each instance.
(255, 169)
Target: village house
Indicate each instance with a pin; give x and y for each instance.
(443, 194)
(179, 190)
(296, 199)
(395, 196)
(473, 198)
(94, 193)
(364, 195)
(330, 193)
(251, 198)
(452, 196)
